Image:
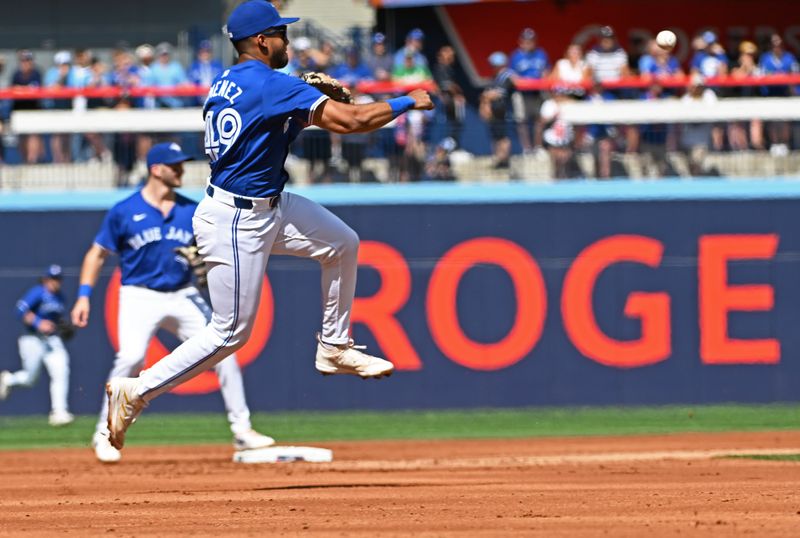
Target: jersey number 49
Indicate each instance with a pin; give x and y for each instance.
(221, 132)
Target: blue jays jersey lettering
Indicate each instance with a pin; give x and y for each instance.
(145, 241)
(43, 303)
(252, 114)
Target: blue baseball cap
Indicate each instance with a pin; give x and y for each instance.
(416, 33)
(166, 153)
(252, 17)
(53, 271)
(378, 38)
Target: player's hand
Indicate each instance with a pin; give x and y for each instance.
(422, 100)
(46, 326)
(80, 312)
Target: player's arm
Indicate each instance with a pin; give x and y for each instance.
(343, 118)
(90, 270)
(26, 311)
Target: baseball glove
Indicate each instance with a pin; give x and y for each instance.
(329, 86)
(196, 263)
(65, 330)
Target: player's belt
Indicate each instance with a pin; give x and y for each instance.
(239, 201)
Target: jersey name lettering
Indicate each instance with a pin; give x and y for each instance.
(226, 89)
(144, 237)
(181, 236)
(150, 235)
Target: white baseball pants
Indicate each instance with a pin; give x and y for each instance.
(236, 244)
(183, 312)
(35, 350)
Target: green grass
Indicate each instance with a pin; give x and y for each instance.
(767, 457)
(161, 429)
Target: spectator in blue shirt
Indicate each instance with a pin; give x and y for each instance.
(777, 61)
(167, 73)
(773, 62)
(658, 63)
(125, 75)
(205, 68)
(413, 47)
(710, 59)
(27, 74)
(528, 61)
(301, 61)
(353, 70)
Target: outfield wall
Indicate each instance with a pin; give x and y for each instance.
(575, 294)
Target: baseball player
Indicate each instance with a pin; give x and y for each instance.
(42, 312)
(145, 230)
(252, 114)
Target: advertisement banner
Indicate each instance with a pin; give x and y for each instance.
(487, 304)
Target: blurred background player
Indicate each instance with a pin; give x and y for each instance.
(144, 230)
(42, 312)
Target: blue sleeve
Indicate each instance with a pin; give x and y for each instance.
(289, 96)
(644, 64)
(791, 63)
(109, 235)
(545, 58)
(29, 302)
(697, 60)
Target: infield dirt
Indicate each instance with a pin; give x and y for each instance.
(649, 486)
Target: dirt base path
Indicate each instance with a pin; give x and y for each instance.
(599, 486)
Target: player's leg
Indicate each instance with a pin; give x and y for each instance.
(56, 360)
(235, 245)
(309, 230)
(140, 311)
(32, 350)
(193, 314)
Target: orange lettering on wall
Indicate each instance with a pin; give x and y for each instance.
(207, 381)
(530, 294)
(653, 309)
(378, 311)
(717, 298)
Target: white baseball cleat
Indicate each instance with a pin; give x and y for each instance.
(349, 359)
(103, 449)
(124, 405)
(60, 418)
(251, 440)
(5, 376)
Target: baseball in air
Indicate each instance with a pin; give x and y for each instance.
(666, 39)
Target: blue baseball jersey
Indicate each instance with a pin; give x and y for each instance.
(43, 303)
(252, 114)
(529, 64)
(785, 63)
(145, 241)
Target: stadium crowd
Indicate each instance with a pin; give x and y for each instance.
(420, 144)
